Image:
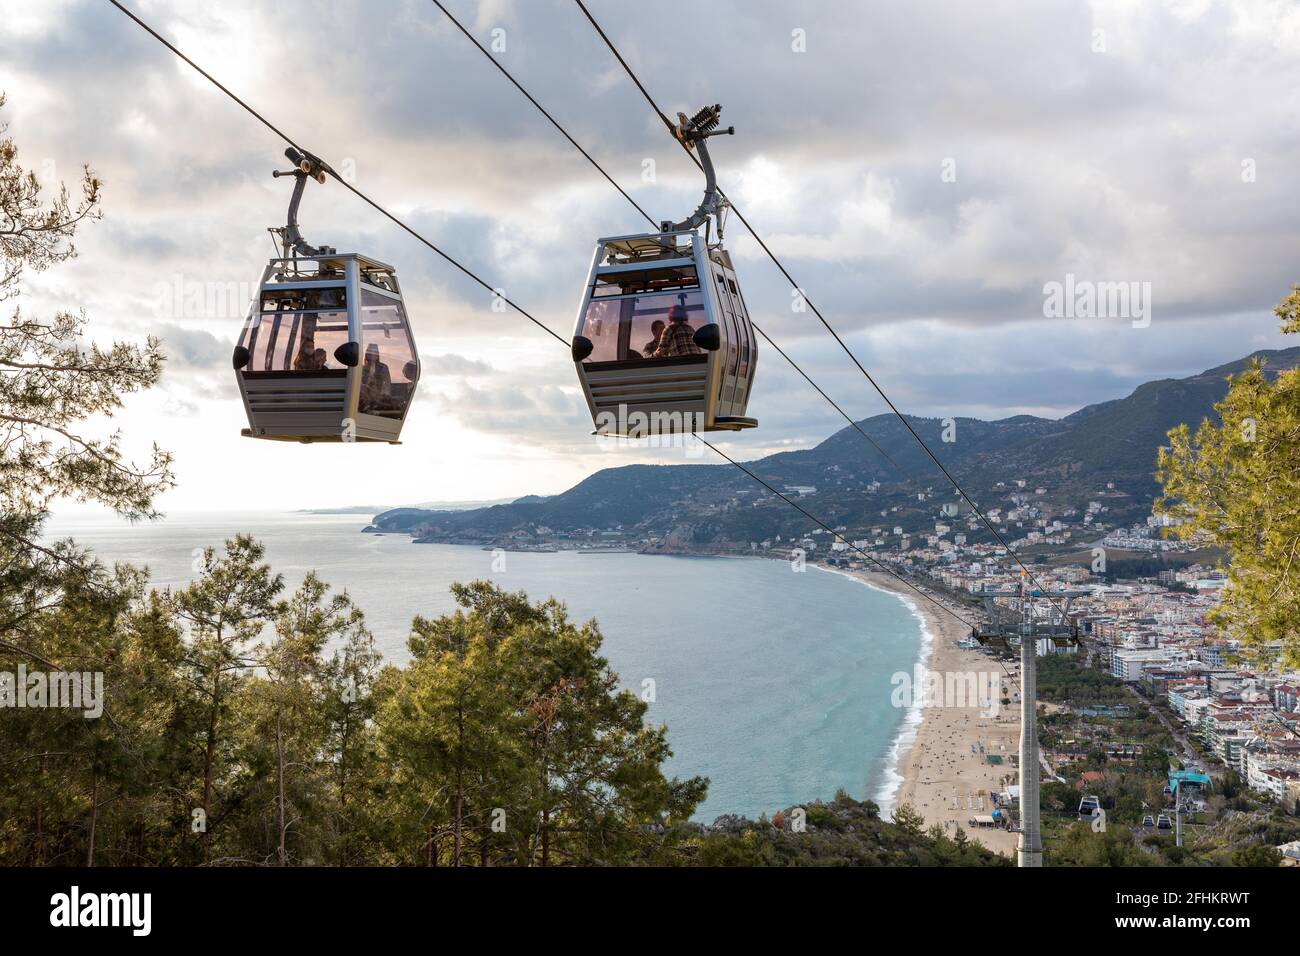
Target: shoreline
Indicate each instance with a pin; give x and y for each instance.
(900, 746)
(936, 764)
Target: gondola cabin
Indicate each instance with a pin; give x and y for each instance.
(1064, 635)
(327, 354)
(1088, 807)
(664, 343)
(989, 637)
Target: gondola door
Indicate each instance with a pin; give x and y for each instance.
(729, 360)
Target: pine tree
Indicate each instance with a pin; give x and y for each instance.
(349, 710)
(1236, 483)
(508, 714)
(59, 609)
(53, 382)
(224, 609)
(289, 704)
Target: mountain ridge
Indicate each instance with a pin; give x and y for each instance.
(1109, 445)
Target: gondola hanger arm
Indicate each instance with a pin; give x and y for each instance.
(305, 164)
(693, 134)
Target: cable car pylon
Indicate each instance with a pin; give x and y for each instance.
(999, 632)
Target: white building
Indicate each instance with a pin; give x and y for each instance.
(1129, 664)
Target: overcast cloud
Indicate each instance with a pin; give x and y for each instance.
(1149, 142)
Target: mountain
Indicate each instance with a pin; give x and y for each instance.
(1103, 451)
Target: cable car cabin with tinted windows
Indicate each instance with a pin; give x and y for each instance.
(664, 343)
(327, 353)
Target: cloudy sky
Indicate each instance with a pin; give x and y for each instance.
(924, 169)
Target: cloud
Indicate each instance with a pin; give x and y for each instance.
(454, 365)
(1115, 141)
(193, 348)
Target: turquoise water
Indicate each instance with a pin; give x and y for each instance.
(773, 684)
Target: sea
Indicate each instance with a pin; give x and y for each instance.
(775, 684)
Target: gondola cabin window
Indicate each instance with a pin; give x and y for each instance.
(388, 366)
(644, 327)
(627, 282)
(297, 330)
(644, 314)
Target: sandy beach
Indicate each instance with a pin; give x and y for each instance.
(947, 777)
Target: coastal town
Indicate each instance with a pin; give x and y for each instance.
(1227, 716)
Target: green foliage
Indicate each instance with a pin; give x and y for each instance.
(224, 609)
(1229, 786)
(908, 819)
(53, 381)
(1063, 680)
(247, 728)
(508, 731)
(1081, 846)
(844, 832)
(1260, 854)
(64, 778)
(1236, 482)
(57, 605)
(1288, 311)
(1057, 798)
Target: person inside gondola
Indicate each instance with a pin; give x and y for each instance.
(678, 338)
(656, 333)
(309, 358)
(376, 381)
